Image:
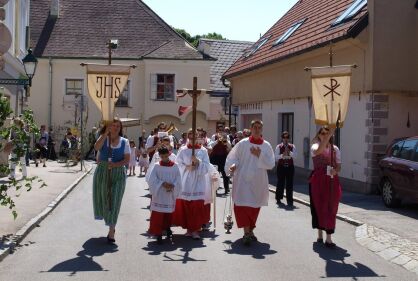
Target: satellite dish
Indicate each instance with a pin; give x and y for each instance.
(5, 38)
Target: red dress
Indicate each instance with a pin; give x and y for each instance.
(324, 193)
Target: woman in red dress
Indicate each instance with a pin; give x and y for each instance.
(324, 185)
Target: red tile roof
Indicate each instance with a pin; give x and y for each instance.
(313, 33)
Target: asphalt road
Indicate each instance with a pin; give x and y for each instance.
(70, 245)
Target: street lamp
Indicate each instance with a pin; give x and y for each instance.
(30, 63)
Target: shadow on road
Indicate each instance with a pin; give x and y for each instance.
(93, 247)
(257, 250)
(178, 242)
(335, 265)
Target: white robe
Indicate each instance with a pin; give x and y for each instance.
(163, 201)
(194, 182)
(250, 186)
(155, 159)
(213, 179)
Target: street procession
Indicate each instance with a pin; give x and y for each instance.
(154, 140)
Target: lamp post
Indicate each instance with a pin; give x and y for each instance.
(29, 64)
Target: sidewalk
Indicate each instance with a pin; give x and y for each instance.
(32, 206)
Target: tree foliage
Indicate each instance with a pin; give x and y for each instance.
(21, 129)
(194, 40)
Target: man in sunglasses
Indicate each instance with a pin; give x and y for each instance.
(285, 154)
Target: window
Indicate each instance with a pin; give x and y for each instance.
(415, 157)
(396, 149)
(287, 125)
(257, 46)
(123, 100)
(351, 12)
(73, 86)
(162, 87)
(407, 149)
(289, 32)
(22, 25)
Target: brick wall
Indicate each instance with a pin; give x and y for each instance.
(377, 108)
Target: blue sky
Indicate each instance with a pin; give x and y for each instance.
(234, 19)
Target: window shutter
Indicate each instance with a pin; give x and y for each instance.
(153, 86)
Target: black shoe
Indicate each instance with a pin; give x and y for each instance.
(169, 233)
(159, 240)
(44, 166)
(110, 240)
(36, 164)
(330, 245)
(246, 240)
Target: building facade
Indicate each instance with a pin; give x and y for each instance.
(65, 35)
(378, 36)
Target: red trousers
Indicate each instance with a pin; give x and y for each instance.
(159, 222)
(246, 216)
(190, 215)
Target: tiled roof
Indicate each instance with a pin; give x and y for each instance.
(314, 32)
(84, 27)
(226, 52)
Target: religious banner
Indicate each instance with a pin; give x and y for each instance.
(105, 84)
(330, 94)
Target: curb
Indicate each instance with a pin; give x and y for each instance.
(9, 246)
(339, 216)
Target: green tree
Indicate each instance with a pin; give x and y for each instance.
(194, 40)
(18, 146)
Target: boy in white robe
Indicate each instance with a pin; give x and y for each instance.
(248, 162)
(190, 210)
(165, 186)
(165, 141)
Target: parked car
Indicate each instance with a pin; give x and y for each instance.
(399, 172)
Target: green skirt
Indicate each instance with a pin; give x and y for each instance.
(102, 208)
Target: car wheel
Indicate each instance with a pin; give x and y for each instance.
(389, 195)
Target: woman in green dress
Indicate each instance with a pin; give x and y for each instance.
(112, 161)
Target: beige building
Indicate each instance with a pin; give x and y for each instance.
(14, 21)
(379, 36)
(68, 36)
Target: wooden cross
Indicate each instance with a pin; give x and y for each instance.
(193, 93)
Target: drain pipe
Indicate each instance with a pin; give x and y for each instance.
(50, 94)
(230, 101)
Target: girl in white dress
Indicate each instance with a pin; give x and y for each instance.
(132, 161)
(143, 159)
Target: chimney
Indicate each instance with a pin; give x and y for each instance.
(55, 9)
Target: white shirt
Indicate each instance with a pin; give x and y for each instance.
(162, 200)
(155, 159)
(193, 182)
(278, 156)
(250, 183)
(315, 147)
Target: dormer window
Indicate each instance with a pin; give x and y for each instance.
(351, 12)
(289, 32)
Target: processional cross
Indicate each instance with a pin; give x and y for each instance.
(194, 94)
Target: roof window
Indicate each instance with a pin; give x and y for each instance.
(257, 46)
(289, 32)
(351, 12)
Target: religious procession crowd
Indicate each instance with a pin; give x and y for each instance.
(183, 177)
